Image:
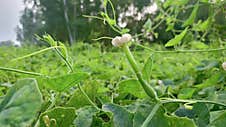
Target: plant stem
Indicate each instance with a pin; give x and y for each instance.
(147, 88)
(87, 97)
(182, 51)
(169, 100)
(79, 85)
(151, 115)
(21, 71)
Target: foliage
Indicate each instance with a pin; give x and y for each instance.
(86, 86)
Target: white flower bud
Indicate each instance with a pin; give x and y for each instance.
(116, 41)
(120, 41)
(126, 38)
(224, 66)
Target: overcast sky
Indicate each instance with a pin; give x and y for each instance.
(10, 11)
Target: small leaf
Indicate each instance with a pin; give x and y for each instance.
(63, 50)
(198, 45)
(121, 117)
(131, 86)
(62, 117)
(203, 26)
(147, 26)
(85, 116)
(21, 104)
(177, 39)
(147, 69)
(206, 65)
(61, 83)
(192, 17)
(186, 93)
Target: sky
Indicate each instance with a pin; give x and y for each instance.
(10, 11)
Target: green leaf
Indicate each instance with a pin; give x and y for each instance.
(168, 3)
(186, 93)
(206, 65)
(61, 83)
(63, 50)
(148, 25)
(211, 81)
(220, 121)
(192, 17)
(199, 113)
(21, 104)
(58, 117)
(147, 69)
(177, 39)
(78, 100)
(203, 26)
(85, 117)
(131, 86)
(198, 45)
(49, 39)
(121, 117)
(160, 119)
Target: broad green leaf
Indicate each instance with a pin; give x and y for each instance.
(202, 116)
(160, 119)
(21, 104)
(58, 117)
(78, 100)
(61, 83)
(177, 39)
(121, 117)
(186, 93)
(199, 113)
(192, 17)
(147, 69)
(85, 116)
(220, 121)
(131, 86)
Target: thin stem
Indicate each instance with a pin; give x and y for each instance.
(151, 115)
(182, 51)
(79, 86)
(21, 71)
(93, 17)
(97, 39)
(147, 88)
(113, 9)
(169, 100)
(65, 60)
(38, 52)
(87, 97)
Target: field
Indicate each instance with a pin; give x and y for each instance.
(111, 63)
(106, 77)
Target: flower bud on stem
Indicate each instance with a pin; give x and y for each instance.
(147, 88)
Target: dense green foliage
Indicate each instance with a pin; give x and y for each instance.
(181, 82)
(182, 76)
